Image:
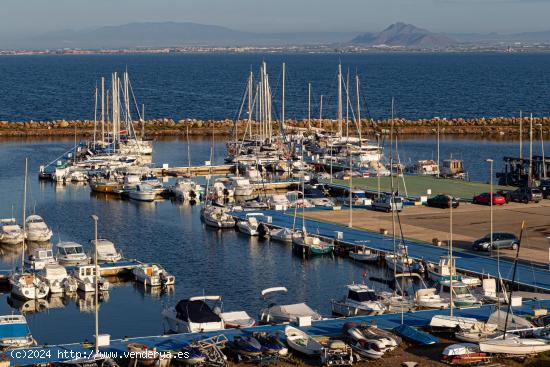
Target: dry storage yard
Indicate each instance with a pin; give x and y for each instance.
(470, 222)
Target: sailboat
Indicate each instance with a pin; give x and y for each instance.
(95, 359)
(27, 285)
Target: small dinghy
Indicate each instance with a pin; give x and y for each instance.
(363, 254)
(452, 323)
(414, 335)
(514, 346)
(366, 349)
(336, 353)
(385, 341)
(463, 354)
(237, 320)
(246, 346)
(301, 342)
(271, 344)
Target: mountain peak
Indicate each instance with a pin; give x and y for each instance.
(405, 35)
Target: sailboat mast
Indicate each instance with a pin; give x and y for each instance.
(358, 108)
(24, 216)
(347, 106)
(309, 105)
(340, 100)
(96, 285)
(142, 120)
(451, 254)
(95, 116)
(249, 107)
(321, 112)
(102, 108)
(520, 135)
(283, 99)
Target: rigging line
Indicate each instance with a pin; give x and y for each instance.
(238, 112)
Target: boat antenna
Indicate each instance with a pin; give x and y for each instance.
(513, 279)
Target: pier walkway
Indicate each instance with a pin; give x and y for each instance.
(528, 275)
(328, 327)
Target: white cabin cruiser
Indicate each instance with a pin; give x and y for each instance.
(186, 189)
(142, 192)
(39, 258)
(462, 297)
(359, 300)
(194, 315)
(217, 217)
(36, 229)
(28, 286)
(249, 224)
(427, 298)
(241, 186)
(106, 251)
(85, 278)
(10, 232)
(281, 234)
(14, 332)
(71, 253)
(277, 314)
(57, 278)
(153, 275)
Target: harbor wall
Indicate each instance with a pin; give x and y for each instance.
(495, 126)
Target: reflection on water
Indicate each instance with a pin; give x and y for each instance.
(171, 233)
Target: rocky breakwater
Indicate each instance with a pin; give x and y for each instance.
(495, 126)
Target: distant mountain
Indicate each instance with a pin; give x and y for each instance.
(405, 35)
(173, 34)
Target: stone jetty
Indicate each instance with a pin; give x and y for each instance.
(494, 126)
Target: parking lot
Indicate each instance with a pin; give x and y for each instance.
(470, 222)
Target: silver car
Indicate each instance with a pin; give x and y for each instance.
(385, 203)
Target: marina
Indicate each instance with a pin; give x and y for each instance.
(280, 240)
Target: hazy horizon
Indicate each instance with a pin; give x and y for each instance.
(32, 17)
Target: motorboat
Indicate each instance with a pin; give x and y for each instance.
(245, 345)
(36, 229)
(402, 264)
(396, 302)
(10, 232)
(28, 286)
(379, 342)
(427, 298)
(271, 344)
(427, 167)
(71, 253)
(85, 278)
(301, 342)
(15, 333)
(217, 217)
(78, 176)
(194, 315)
(442, 271)
(414, 335)
(106, 251)
(306, 244)
(39, 258)
(142, 192)
(249, 224)
(363, 254)
(463, 354)
(281, 234)
(153, 275)
(241, 186)
(278, 202)
(277, 314)
(489, 293)
(359, 300)
(462, 297)
(452, 323)
(237, 320)
(186, 189)
(57, 279)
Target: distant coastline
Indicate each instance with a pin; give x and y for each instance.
(489, 127)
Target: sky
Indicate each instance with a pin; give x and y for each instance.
(24, 17)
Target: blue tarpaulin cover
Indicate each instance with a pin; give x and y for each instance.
(13, 330)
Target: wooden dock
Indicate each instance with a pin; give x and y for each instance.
(222, 169)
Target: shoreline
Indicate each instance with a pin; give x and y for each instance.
(503, 127)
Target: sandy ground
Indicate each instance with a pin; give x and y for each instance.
(469, 223)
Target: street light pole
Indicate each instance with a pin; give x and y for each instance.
(490, 161)
(95, 219)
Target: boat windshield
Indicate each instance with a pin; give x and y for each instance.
(71, 250)
(362, 296)
(359, 194)
(457, 290)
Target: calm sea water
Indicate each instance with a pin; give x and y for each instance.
(171, 233)
(210, 86)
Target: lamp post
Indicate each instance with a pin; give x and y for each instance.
(542, 147)
(490, 161)
(95, 219)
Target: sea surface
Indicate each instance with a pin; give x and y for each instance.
(204, 261)
(211, 86)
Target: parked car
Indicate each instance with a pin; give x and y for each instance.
(544, 187)
(500, 240)
(385, 203)
(485, 198)
(526, 194)
(442, 201)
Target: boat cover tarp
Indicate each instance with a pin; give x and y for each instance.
(195, 311)
(298, 309)
(13, 330)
